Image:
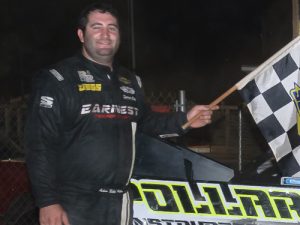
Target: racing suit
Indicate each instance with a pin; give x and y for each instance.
(80, 138)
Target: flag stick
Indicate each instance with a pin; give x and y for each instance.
(247, 78)
(215, 102)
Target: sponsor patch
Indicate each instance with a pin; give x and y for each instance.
(46, 102)
(86, 76)
(124, 80)
(127, 90)
(90, 87)
(56, 74)
(109, 111)
(131, 98)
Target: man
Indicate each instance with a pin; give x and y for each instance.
(81, 126)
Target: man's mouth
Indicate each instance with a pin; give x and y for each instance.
(104, 42)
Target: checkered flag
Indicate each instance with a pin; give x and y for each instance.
(272, 94)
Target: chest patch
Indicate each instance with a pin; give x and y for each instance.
(89, 87)
(127, 90)
(86, 76)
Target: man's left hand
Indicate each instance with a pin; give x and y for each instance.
(204, 114)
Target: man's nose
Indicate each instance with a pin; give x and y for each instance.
(105, 32)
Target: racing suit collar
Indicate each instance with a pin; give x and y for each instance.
(101, 67)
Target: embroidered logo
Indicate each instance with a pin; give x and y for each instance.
(127, 90)
(89, 87)
(86, 76)
(130, 98)
(124, 80)
(46, 102)
(109, 111)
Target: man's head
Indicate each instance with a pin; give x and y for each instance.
(100, 7)
(98, 31)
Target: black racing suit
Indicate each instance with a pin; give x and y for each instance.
(80, 136)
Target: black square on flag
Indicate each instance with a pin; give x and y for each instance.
(270, 128)
(249, 92)
(285, 66)
(294, 137)
(288, 165)
(276, 97)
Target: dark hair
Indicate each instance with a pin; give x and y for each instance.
(97, 6)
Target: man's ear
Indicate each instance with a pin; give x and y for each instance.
(80, 35)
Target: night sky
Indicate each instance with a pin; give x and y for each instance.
(193, 45)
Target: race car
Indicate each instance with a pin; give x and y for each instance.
(173, 185)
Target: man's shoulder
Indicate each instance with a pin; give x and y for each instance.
(62, 69)
(66, 64)
(55, 73)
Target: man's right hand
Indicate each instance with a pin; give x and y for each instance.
(53, 215)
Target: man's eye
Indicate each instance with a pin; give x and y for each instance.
(113, 29)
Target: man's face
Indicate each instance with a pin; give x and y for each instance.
(101, 38)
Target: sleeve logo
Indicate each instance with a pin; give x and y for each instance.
(46, 102)
(56, 74)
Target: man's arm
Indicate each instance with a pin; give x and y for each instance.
(42, 136)
(170, 123)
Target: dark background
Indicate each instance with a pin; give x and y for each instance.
(195, 45)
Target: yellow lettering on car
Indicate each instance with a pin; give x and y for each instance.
(220, 201)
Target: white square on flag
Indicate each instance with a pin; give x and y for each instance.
(259, 108)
